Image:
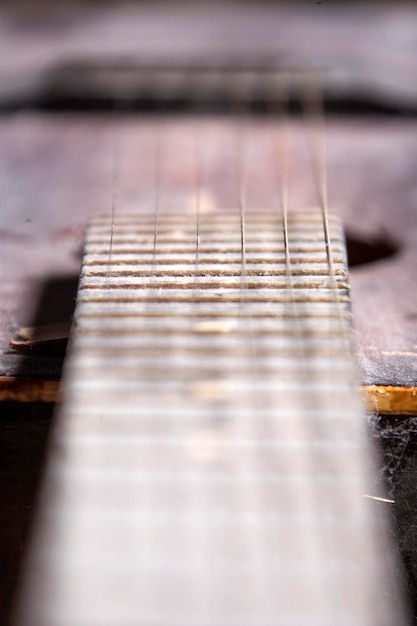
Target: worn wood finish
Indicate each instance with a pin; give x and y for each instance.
(379, 399)
(371, 181)
(209, 463)
(389, 400)
(17, 389)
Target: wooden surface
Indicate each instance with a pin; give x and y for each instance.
(209, 462)
(57, 172)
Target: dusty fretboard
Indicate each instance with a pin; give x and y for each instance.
(209, 461)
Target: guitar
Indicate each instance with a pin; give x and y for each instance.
(208, 464)
(217, 191)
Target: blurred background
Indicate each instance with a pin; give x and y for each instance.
(57, 54)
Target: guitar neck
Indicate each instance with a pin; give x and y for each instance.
(209, 463)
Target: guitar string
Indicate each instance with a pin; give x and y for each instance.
(257, 542)
(314, 103)
(313, 106)
(314, 134)
(315, 140)
(158, 135)
(196, 154)
(114, 157)
(198, 181)
(279, 118)
(157, 191)
(301, 426)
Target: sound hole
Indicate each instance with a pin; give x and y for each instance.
(363, 250)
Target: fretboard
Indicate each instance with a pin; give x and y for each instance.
(209, 462)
